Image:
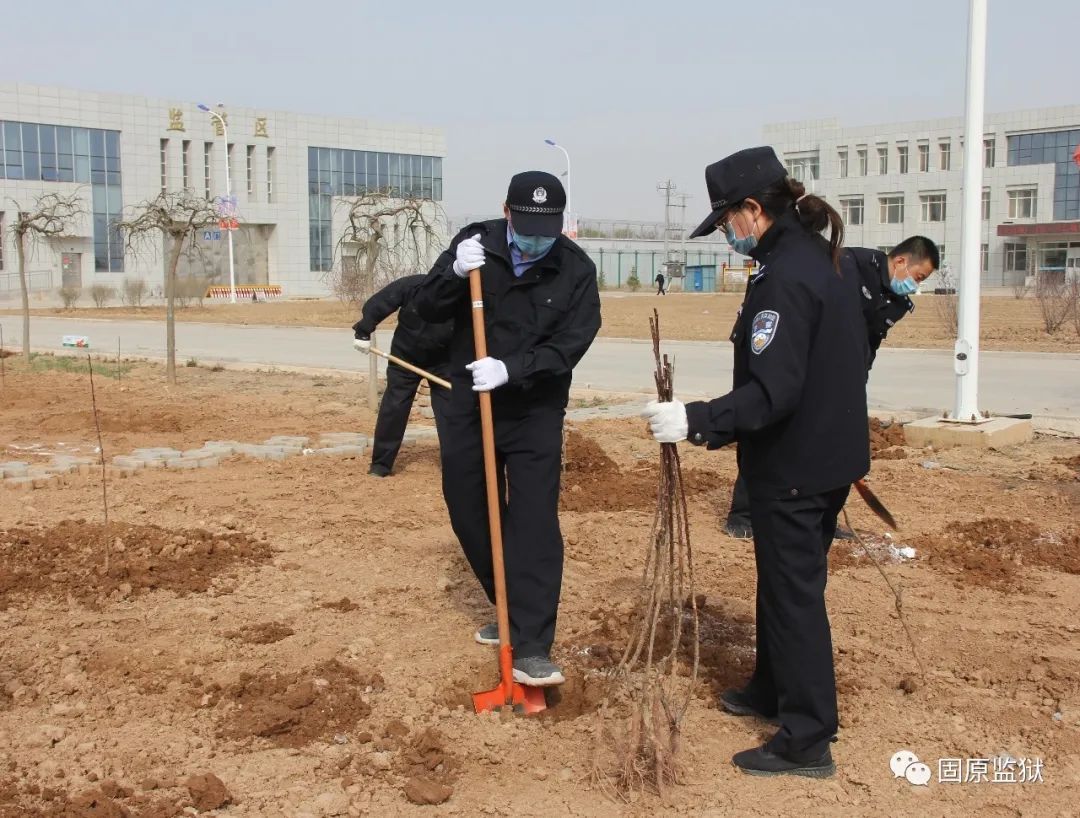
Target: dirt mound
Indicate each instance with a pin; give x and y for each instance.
(726, 647)
(68, 559)
(124, 420)
(26, 799)
(293, 709)
(265, 633)
(885, 437)
(993, 552)
(1070, 462)
(592, 481)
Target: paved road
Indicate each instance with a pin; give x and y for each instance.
(1044, 384)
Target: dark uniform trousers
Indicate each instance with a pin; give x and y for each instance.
(740, 503)
(794, 676)
(528, 446)
(394, 410)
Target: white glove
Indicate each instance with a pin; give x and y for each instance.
(362, 345)
(470, 255)
(667, 421)
(488, 374)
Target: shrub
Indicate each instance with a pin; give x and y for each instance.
(70, 296)
(134, 291)
(102, 294)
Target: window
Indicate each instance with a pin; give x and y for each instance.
(986, 204)
(891, 209)
(1015, 257)
(185, 159)
(885, 248)
(882, 160)
(802, 169)
(269, 174)
(941, 253)
(1022, 203)
(933, 207)
(861, 153)
(945, 155)
(2, 234)
(1052, 148)
(207, 159)
(250, 171)
(902, 158)
(984, 258)
(851, 210)
(842, 156)
(229, 167)
(924, 157)
(988, 153)
(164, 165)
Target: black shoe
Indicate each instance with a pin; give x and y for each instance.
(737, 703)
(843, 533)
(760, 761)
(377, 470)
(739, 529)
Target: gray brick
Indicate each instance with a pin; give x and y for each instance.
(182, 463)
(14, 468)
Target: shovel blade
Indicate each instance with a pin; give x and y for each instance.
(522, 699)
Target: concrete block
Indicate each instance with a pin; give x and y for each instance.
(996, 433)
(223, 445)
(42, 482)
(63, 468)
(208, 462)
(342, 439)
(153, 464)
(288, 440)
(14, 468)
(128, 462)
(19, 483)
(345, 451)
(182, 463)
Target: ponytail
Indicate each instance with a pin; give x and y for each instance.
(813, 212)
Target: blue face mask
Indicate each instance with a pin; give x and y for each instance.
(904, 286)
(532, 246)
(741, 246)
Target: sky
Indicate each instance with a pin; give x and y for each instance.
(637, 93)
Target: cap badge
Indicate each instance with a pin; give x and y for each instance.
(539, 195)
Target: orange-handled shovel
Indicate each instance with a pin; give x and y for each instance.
(508, 693)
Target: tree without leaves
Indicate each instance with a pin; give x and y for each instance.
(384, 237)
(52, 217)
(170, 215)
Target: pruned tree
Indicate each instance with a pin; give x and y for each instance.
(172, 220)
(383, 238)
(52, 216)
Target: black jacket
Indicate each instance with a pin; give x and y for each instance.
(420, 342)
(881, 307)
(539, 325)
(798, 407)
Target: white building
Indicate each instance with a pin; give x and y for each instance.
(895, 180)
(118, 151)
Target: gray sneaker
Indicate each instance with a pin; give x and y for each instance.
(537, 671)
(488, 635)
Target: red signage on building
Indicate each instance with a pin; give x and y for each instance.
(1045, 229)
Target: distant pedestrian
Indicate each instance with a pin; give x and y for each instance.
(660, 284)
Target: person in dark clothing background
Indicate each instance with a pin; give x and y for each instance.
(885, 283)
(798, 412)
(541, 313)
(660, 284)
(425, 344)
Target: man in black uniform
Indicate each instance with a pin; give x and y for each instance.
(660, 284)
(798, 411)
(885, 284)
(422, 343)
(541, 312)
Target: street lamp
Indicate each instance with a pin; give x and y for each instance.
(228, 194)
(569, 211)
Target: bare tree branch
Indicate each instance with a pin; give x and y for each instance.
(52, 217)
(383, 238)
(177, 216)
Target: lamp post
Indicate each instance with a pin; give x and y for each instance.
(228, 194)
(568, 216)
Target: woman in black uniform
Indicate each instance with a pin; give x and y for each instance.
(798, 412)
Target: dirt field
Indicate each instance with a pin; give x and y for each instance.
(295, 638)
(1007, 324)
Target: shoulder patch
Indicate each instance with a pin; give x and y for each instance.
(763, 330)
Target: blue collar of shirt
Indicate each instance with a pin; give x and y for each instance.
(521, 264)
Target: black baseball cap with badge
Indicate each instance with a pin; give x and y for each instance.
(735, 178)
(536, 201)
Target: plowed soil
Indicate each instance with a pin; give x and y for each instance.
(277, 640)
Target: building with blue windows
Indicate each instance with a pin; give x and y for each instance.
(289, 174)
(891, 181)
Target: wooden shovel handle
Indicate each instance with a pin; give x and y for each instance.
(406, 365)
(487, 432)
